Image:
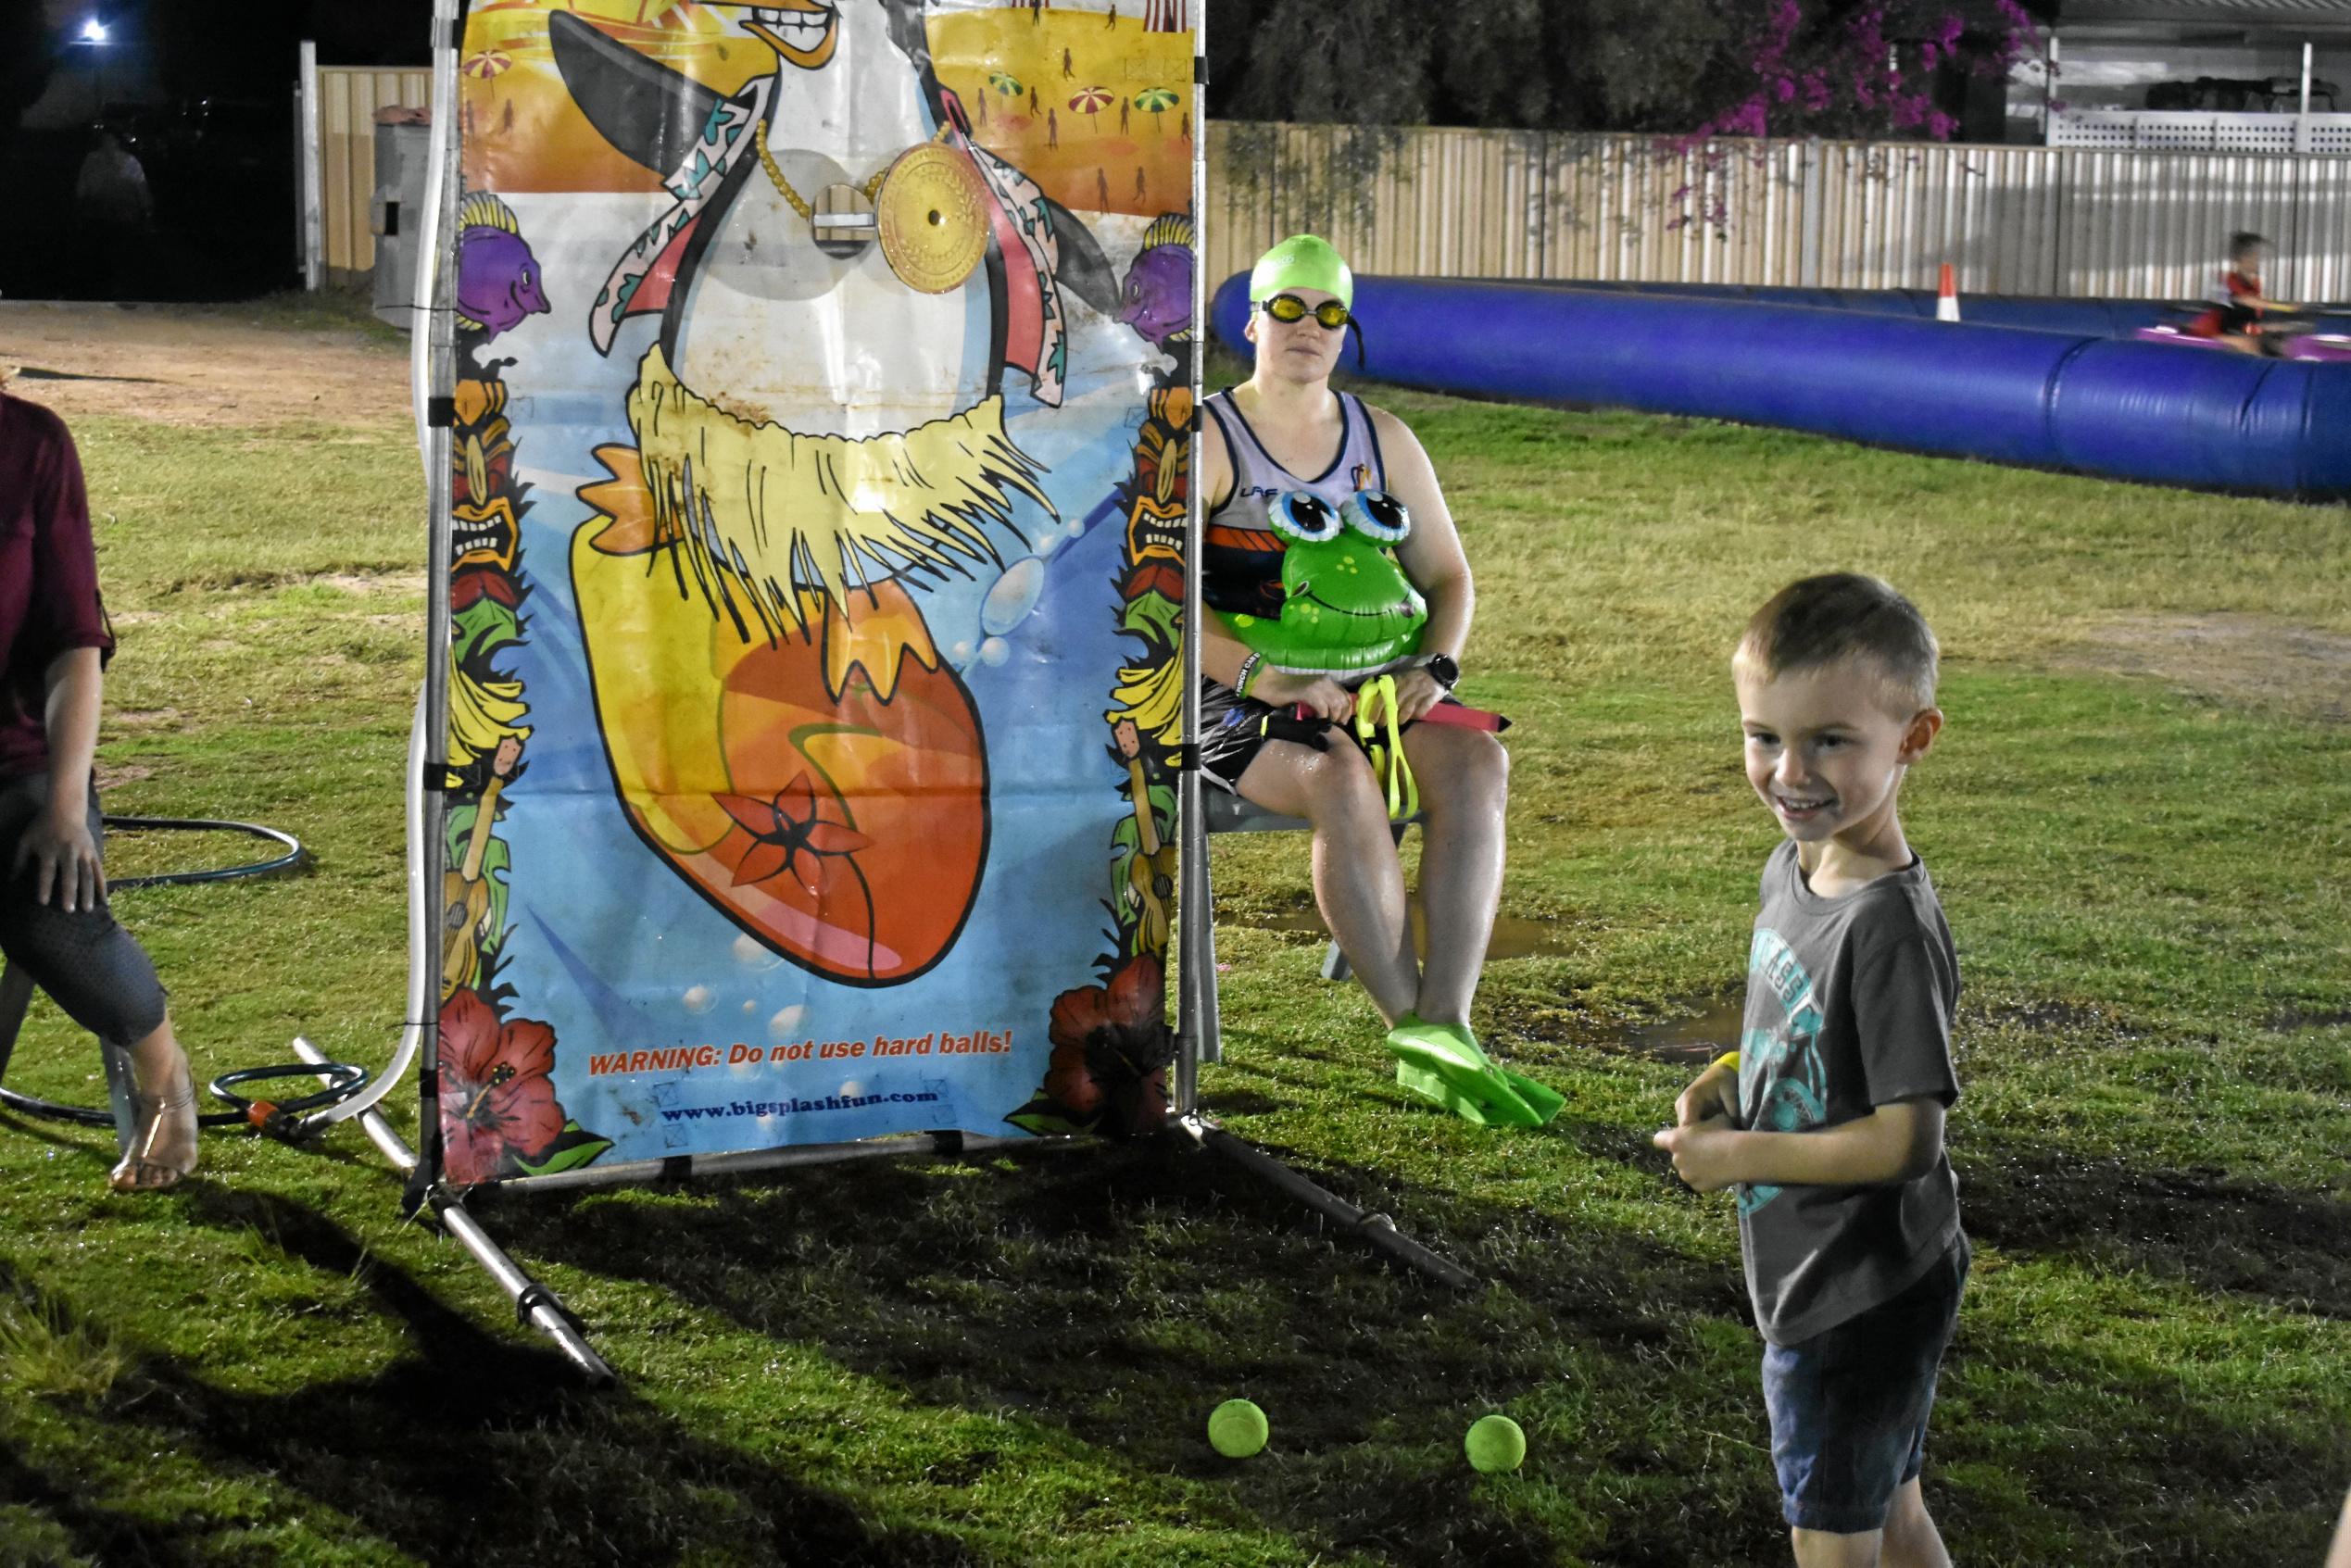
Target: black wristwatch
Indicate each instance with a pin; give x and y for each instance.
(1442, 670)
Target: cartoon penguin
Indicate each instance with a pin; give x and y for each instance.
(820, 417)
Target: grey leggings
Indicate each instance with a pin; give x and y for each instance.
(90, 966)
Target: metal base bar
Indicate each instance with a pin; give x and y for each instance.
(533, 1302)
(734, 1162)
(1378, 1231)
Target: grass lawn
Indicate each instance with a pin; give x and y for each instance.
(2139, 818)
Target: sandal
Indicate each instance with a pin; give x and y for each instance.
(162, 1146)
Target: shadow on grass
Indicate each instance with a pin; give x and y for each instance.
(98, 1533)
(472, 1447)
(1121, 1292)
(2219, 1234)
(1118, 1294)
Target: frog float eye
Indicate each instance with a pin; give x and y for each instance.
(1378, 515)
(1305, 517)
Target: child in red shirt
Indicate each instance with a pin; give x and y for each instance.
(2238, 302)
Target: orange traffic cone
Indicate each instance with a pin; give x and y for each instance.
(1947, 297)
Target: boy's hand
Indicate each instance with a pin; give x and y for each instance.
(1714, 1092)
(1705, 1153)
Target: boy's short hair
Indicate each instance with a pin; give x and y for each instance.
(2244, 240)
(1839, 616)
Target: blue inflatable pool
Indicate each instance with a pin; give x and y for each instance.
(2089, 404)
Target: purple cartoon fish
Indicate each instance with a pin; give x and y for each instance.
(1157, 298)
(497, 277)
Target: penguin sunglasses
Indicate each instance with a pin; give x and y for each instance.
(1288, 308)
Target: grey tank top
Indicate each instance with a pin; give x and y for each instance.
(1241, 557)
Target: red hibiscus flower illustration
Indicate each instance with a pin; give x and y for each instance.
(1111, 1050)
(786, 828)
(495, 1097)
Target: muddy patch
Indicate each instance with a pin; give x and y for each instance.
(197, 364)
(1515, 935)
(142, 718)
(2245, 660)
(2218, 1231)
(2294, 1020)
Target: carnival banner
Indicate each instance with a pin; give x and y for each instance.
(818, 499)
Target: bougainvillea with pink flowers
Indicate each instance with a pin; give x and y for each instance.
(1836, 68)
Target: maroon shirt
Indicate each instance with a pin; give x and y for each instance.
(48, 575)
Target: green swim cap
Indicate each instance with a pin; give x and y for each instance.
(1303, 261)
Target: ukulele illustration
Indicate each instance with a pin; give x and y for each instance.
(1150, 873)
(465, 892)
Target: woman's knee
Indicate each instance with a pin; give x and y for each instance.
(91, 967)
(1468, 767)
(1342, 797)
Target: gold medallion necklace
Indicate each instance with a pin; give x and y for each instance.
(929, 208)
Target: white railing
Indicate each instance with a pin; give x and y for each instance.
(2164, 131)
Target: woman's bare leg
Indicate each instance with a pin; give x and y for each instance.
(1359, 885)
(1464, 785)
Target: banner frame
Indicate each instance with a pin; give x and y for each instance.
(1198, 1027)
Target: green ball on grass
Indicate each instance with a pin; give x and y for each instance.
(1495, 1444)
(1236, 1429)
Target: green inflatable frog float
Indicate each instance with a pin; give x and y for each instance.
(1347, 608)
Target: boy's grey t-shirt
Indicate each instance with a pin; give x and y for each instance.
(1849, 1007)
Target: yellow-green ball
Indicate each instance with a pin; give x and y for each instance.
(1236, 1429)
(1495, 1444)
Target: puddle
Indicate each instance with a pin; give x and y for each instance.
(1698, 1038)
(1514, 936)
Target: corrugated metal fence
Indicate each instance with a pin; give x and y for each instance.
(1504, 203)
(2028, 220)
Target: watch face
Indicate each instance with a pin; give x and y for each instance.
(1445, 670)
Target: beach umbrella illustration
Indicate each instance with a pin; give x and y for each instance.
(489, 64)
(1004, 82)
(1158, 101)
(1090, 101)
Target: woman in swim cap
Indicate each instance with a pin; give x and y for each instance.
(1285, 430)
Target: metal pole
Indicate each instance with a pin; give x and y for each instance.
(440, 384)
(2302, 114)
(1376, 1230)
(313, 172)
(1197, 1035)
(738, 1161)
(534, 1303)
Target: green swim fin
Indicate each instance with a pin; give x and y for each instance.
(1543, 1101)
(1442, 1064)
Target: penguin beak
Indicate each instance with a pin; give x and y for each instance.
(803, 31)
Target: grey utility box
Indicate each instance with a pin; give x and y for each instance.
(395, 214)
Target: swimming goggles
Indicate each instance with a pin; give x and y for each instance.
(1288, 307)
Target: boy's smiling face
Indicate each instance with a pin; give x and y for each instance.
(1827, 747)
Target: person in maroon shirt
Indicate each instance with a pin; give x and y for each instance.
(54, 919)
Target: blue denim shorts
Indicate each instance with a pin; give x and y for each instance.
(1849, 1406)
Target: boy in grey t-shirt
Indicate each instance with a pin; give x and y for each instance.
(1828, 1117)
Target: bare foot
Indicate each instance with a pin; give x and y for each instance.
(163, 1122)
